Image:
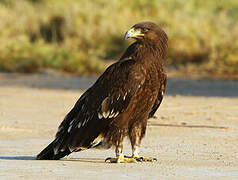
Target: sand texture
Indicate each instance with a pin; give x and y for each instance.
(195, 134)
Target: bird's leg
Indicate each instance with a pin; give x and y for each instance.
(120, 158)
(137, 157)
(135, 154)
(136, 134)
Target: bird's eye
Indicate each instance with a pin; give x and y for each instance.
(145, 29)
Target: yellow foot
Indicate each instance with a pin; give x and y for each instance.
(144, 159)
(121, 159)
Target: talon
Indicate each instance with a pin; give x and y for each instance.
(112, 160)
(144, 159)
(108, 159)
(138, 159)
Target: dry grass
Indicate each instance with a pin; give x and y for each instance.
(75, 35)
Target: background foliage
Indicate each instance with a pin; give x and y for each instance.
(78, 36)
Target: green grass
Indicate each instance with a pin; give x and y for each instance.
(77, 35)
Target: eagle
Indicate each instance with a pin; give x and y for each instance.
(119, 103)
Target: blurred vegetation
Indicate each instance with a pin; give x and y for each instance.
(76, 35)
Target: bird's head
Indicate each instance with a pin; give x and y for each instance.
(147, 32)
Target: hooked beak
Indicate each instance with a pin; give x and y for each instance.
(132, 33)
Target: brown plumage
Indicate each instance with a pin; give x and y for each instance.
(120, 102)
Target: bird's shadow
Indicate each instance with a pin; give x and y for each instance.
(85, 160)
(17, 157)
(31, 158)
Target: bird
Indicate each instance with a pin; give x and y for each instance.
(119, 103)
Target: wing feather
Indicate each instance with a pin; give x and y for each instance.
(104, 101)
(121, 91)
(159, 96)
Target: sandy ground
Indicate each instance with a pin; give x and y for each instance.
(195, 134)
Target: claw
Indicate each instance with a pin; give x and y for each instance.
(108, 159)
(138, 159)
(144, 159)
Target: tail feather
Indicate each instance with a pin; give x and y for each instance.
(48, 153)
